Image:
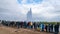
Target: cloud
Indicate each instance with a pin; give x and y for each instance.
(43, 10)
(10, 10)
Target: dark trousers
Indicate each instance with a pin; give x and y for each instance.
(42, 29)
(56, 33)
(46, 30)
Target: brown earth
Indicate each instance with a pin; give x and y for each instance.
(9, 30)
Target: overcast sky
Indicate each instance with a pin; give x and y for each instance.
(42, 10)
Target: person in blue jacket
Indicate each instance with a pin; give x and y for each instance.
(42, 26)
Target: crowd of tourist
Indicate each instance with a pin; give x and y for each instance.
(52, 28)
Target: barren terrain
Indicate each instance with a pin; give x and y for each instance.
(10, 30)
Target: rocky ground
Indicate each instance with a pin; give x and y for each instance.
(10, 30)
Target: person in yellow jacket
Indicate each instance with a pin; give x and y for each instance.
(30, 24)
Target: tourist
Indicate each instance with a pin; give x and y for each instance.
(56, 28)
(17, 23)
(39, 27)
(25, 25)
(28, 24)
(46, 27)
(31, 25)
(51, 28)
(21, 24)
(34, 24)
(43, 26)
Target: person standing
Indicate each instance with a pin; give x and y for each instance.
(56, 28)
(21, 24)
(51, 27)
(35, 25)
(43, 26)
(17, 23)
(31, 25)
(46, 27)
(25, 25)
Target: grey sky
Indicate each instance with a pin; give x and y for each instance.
(45, 10)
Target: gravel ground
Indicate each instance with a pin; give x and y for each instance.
(10, 30)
